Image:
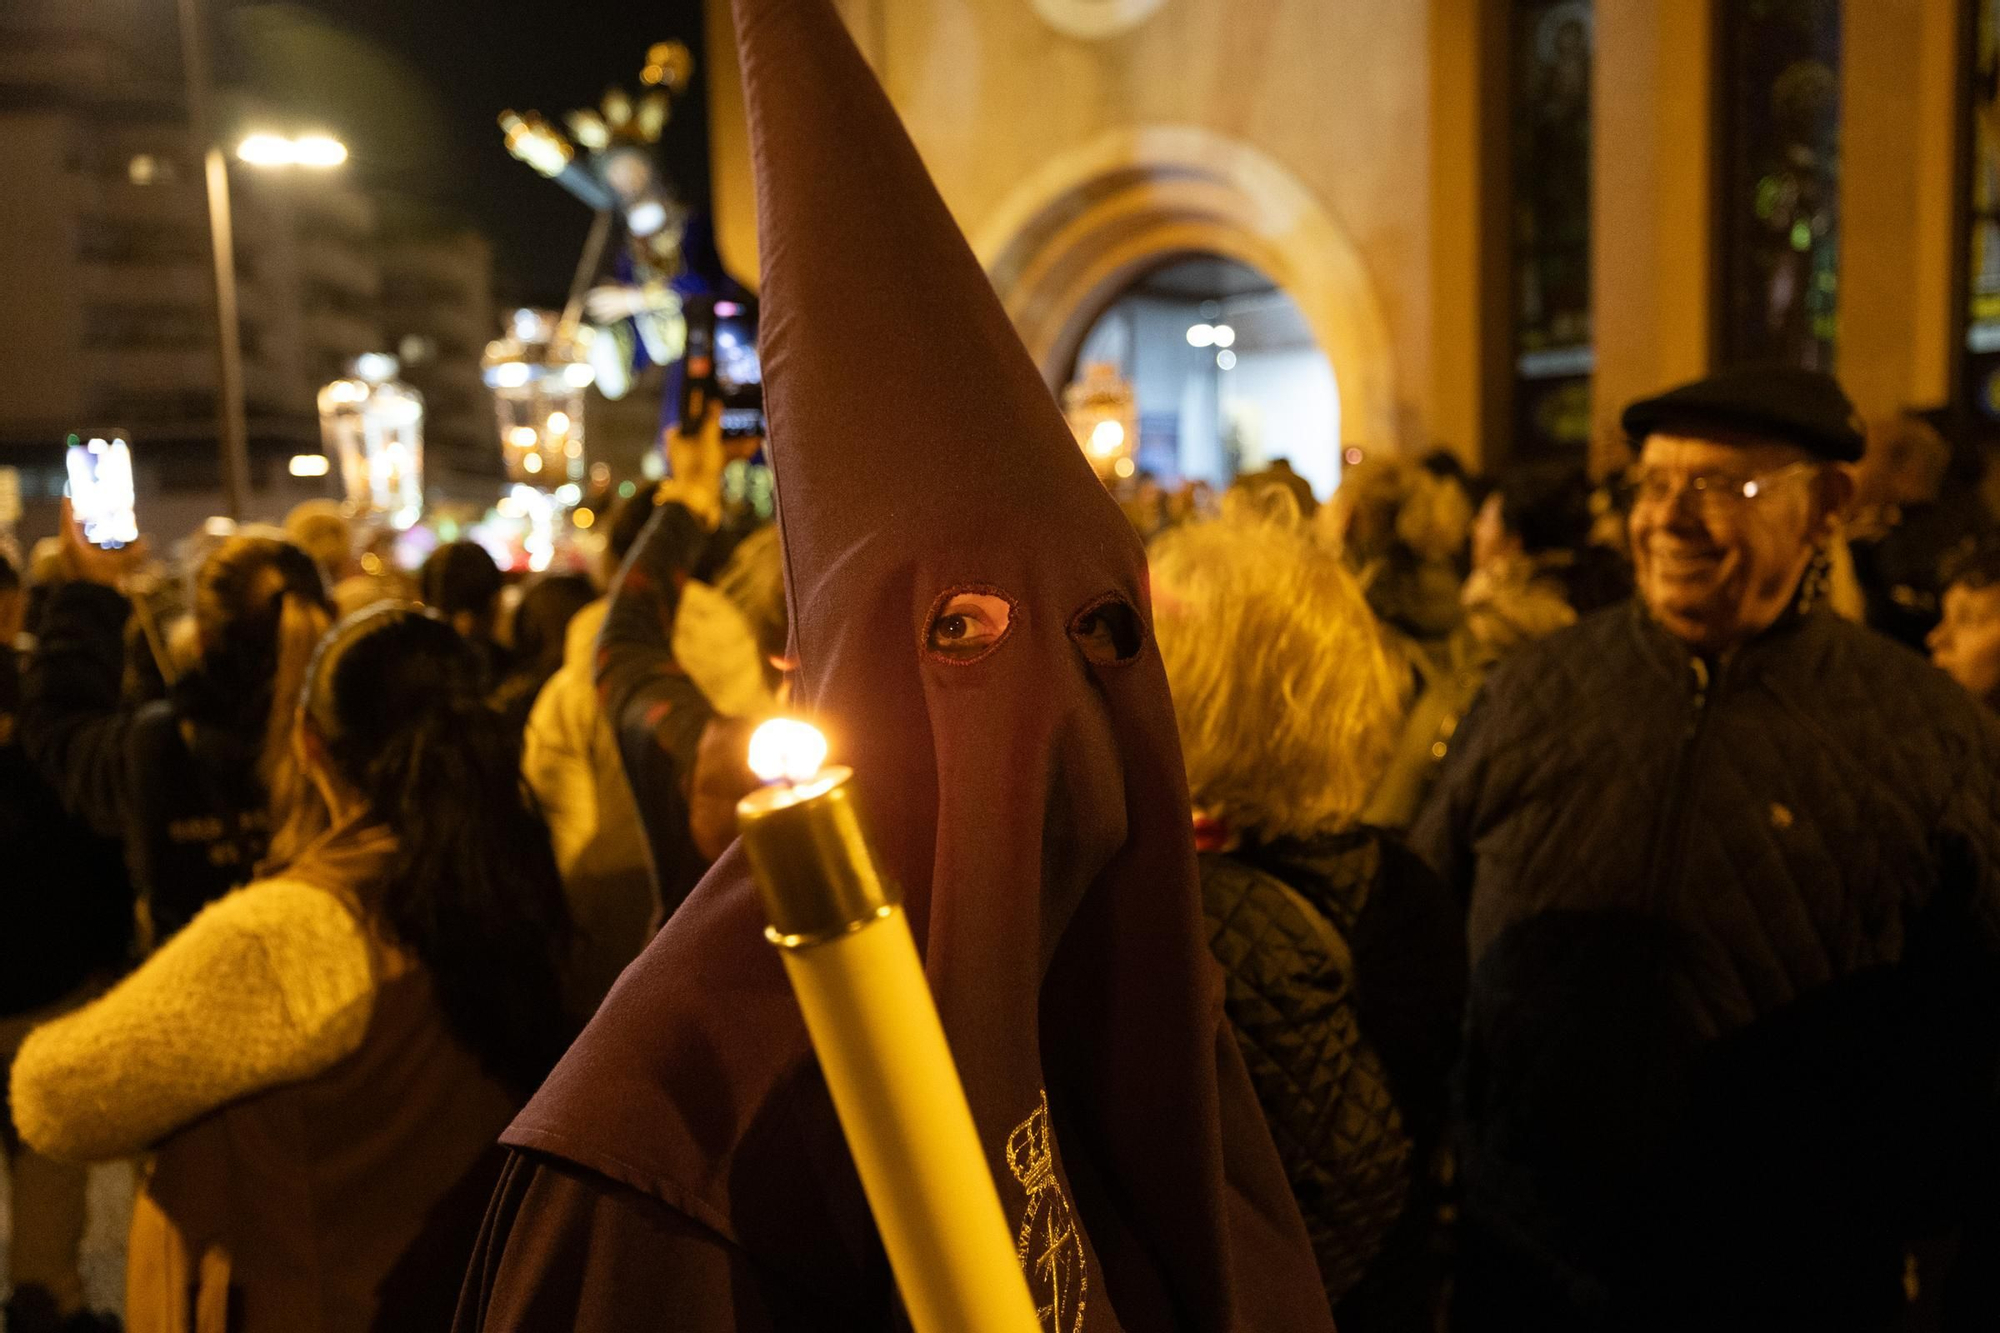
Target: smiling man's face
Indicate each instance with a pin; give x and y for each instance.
(1715, 566)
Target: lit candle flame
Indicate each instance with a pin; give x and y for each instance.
(786, 750)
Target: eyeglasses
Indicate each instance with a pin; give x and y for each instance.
(1713, 492)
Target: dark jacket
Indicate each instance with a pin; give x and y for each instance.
(174, 779)
(1734, 931)
(1344, 966)
(65, 899)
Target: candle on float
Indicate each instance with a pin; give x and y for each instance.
(846, 945)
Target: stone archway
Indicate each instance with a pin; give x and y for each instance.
(1065, 242)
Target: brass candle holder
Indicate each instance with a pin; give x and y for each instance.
(846, 945)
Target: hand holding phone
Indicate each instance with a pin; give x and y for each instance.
(89, 563)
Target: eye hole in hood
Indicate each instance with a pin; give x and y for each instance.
(966, 624)
(1108, 631)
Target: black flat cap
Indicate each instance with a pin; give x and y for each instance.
(1777, 403)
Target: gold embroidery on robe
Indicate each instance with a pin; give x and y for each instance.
(1049, 1245)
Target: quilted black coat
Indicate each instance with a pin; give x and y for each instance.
(1734, 931)
(1344, 967)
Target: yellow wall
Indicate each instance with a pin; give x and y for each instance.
(1319, 105)
(1898, 91)
(1355, 150)
(1651, 198)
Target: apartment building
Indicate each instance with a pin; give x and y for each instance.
(104, 263)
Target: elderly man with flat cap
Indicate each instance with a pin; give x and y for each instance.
(1732, 869)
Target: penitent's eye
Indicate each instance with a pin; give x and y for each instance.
(968, 625)
(1108, 631)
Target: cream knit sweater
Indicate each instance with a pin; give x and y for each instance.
(269, 985)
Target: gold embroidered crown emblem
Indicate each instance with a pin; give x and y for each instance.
(1049, 1245)
(1029, 1155)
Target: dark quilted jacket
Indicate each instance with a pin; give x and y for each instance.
(1344, 962)
(1734, 932)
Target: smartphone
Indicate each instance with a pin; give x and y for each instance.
(698, 383)
(101, 492)
(739, 375)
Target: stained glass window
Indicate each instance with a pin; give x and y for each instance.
(1982, 328)
(1551, 163)
(1780, 184)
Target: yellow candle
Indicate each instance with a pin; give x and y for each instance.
(853, 966)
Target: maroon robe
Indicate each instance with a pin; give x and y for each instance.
(683, 1166)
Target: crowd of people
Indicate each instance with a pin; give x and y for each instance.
(1467, 902)
(1602, 884)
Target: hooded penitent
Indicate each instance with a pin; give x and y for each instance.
(970, 618)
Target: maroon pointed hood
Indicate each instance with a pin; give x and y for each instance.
(1027, 795)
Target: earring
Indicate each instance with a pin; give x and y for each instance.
(1818, 577)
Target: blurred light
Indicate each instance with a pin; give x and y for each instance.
(583, 518)
(523, 437)
(310, 465)
(558, 423)
(1225, 360)
(786, 750)
(568, 493)
(1124, 467)
(527, 325)
(646, 217)
(318, 150)
(220, 527)
(627, 489)
(265, 150)
(536, 142)
(578, 375)
(1224, 335)
(511, 374)
(1210, 309)
(1351, 455)
(532, 463)
(727, 308)
(308, 150)
(346, 391)
(375, 367)
(143, 169)
(574, 449)
(371, 563)
(1200, 335)
(600, 474)
(1107, 437)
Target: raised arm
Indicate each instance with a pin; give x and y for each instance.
(656, 710)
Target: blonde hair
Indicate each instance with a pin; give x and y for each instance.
(1288, 700)
(321, 529)
(297, 812)
(1384, 500)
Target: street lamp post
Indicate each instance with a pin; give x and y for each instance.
(229, 338)
(316, 150)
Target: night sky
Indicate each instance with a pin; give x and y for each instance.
(415, 87)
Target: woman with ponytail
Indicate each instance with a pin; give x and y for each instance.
(188, 783)
(324, 1059)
